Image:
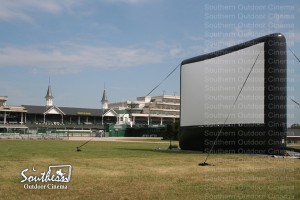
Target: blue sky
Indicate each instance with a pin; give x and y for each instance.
(128, 45)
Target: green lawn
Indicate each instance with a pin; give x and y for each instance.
(119, 170)
(294, 146)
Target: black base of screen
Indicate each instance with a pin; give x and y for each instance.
(253, 139)
(265, 138)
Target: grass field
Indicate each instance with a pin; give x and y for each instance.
(120, 170)
(294, 146)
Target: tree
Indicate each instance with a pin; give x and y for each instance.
(171, 133)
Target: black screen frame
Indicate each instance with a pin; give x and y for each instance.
(266, 138)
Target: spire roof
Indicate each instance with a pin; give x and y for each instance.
(49, 92)
(104, 97)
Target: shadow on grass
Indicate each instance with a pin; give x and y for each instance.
(161, 150)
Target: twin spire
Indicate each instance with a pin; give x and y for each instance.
(104, 100)
(49, 97)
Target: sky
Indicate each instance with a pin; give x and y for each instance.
(127, 46)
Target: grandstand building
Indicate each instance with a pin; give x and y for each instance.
(50, 118)
(146, 110)
(12, 118)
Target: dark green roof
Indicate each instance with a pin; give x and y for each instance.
(32, 109)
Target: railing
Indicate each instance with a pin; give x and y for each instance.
(17, 136)
(45, 136)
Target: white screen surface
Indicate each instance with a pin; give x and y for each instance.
(210, 87)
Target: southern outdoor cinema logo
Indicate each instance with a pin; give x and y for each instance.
(54, 178)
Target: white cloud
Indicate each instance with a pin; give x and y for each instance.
(12, 15)
(74, 58)
(175, 51)
(126, 1)
(195, 37)
(22, 10)
(293, 37)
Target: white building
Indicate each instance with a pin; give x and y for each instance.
(12, 118)
(147, 110)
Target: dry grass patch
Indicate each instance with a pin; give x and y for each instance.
(112, 170)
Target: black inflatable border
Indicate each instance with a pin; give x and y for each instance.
(267, 138)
